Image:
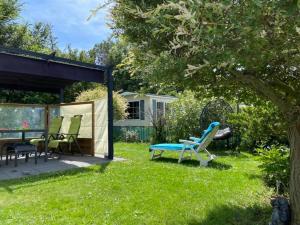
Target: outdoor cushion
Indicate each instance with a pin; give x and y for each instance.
(223, 134)
(55, 125)
(207, 131)
(195, 146)
(72, 134)
(54, 128)
(168, 146)
(74, 128)
(178, 147)
(36, 141)
(55, 143)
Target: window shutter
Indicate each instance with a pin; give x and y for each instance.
(154, 108)
(142, 109)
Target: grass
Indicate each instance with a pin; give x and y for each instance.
(140, 191)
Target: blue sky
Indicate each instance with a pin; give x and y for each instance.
(69, 20)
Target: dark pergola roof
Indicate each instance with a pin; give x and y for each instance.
(30, 71)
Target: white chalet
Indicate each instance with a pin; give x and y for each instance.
(142, 108)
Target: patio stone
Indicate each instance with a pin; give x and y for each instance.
(52, 165)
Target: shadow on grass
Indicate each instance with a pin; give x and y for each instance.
(15, 184)
(230, 153)
(194, 163)
(255, 176)
(234, 215)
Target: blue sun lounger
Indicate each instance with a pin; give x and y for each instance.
(195, 145)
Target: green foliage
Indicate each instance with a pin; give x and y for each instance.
(113, 53)
(72, 91)
(275, 166)
(130, 135)
(119, 102)
(223, 46)
(183, 116)
(78, 55)
(37, 37)
(259, 124)
(159, 132)
(9, 11)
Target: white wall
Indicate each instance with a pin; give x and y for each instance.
(68, 111)
(137, 122)
(148, 109)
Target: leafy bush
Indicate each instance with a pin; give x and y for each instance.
(259, 125)
(182, 120)
(275, 165)
(159, 133)
(130, 135)
(120, 103)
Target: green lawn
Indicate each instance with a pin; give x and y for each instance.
(140, 191)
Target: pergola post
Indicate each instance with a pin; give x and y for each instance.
(61, 95)
(110, 112)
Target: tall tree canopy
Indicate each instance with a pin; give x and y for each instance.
(113, 53)
(221, 45)
(37, 37)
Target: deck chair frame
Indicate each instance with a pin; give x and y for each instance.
(52, 135)
(188, 147)
(67, 139)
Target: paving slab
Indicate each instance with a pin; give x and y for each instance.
(52, 165)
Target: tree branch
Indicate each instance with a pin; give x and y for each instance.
(282, 86)
(262, 87)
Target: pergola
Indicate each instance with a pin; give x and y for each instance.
(30, 71)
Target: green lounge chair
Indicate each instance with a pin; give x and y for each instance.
(68, 138)
(53, 132)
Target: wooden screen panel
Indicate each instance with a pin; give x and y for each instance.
(86, 145)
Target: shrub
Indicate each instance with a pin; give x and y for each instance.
(275, 165)
(130, 135)
(159, 133)
(182, 119)
(120, 103)
(259, 125)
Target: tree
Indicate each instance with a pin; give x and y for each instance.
(37, 37)
(112, 53)
(100, 91)
(251, 44)
(9, 11)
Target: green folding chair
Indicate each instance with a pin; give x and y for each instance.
(69, 138)
(53, 132)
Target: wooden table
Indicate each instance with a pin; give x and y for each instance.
(24, 131)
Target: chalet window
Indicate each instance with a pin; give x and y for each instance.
(160, 109)
(133, 110)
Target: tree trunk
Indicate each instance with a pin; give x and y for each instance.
(294, 139)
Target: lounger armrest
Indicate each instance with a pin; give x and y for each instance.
(194, 138)
(53, 136)
(188, 142)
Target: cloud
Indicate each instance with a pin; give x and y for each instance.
(69, 20)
